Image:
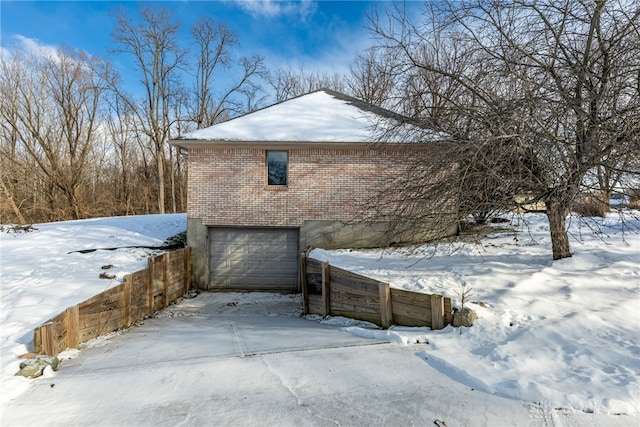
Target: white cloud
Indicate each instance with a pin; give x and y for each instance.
(34, 49)
(4, 52)
(33, 46)
(336, 57)
(272, 8)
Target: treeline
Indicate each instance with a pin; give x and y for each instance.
(77, 141)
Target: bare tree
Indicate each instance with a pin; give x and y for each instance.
(371, 79)
(244, 93)
(545, 91)
(10, 165)
(289, 83)
(215, 43)
(176, 173)
(153, 44)
(120, 127)
(51, 113)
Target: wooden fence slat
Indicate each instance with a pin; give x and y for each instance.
(189, 272)
(419, 313)
(59, 330)
(150, 268)
(139, 295)
(437, 312)
(72, 323)
(303, 283)
(186, 263)
(345, 276)
(367, 317)
(314, 265)
(356, 309)
(410, 321)
(109, 300)
(410, 298)
(386, 312)
(165, 279)
(359, 289)
(315, 304)
(98, 320)
(103, 327)
(325, 289)
(366, 302)
(37, 340)
(126, 303)
(112, 294)
(47, 338)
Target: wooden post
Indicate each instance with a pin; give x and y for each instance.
(37, 341)
(186, 258)
(326, 308)
(165, 278)
(126, 301)
(150, 263)
(303, 282)
(47, 338)
(448, 315)
(437, 312)
(386, 312)
(191, 284)
(72, 323)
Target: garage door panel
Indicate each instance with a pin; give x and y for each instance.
(290, 266)
(254, 259)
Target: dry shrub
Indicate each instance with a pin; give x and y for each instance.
(591, 206)
(634, 199)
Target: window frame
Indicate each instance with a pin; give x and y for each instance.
(286, 178)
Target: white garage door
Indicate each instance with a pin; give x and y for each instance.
(253, 259)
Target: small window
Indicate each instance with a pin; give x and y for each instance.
(277, 168)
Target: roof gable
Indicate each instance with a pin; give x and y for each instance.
(321, 116)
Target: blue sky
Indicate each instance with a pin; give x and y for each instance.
(319, 35)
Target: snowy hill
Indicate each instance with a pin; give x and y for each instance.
(565, 332)
(40, 278)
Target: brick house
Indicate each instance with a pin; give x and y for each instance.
(265, 186)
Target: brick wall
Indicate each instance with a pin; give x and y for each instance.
(227, 187)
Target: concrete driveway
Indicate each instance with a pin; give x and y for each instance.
(239, 361)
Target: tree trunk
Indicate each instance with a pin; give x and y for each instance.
(606, 199)
(160, 166)
(72, 200)
(172, 177)
(12, 203)
(557, 214)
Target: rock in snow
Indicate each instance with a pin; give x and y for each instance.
(464, 317)
(33, 368)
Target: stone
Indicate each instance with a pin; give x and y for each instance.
(27, 356)
(33, 368)
(464, 317)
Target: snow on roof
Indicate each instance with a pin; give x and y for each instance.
(321, 116)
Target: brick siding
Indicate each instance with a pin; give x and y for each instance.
(227, 187)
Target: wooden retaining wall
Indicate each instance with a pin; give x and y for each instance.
(328, 290)
(166, 278)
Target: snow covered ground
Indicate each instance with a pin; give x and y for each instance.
(564, 332)
(561, 334)
(39, 278)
